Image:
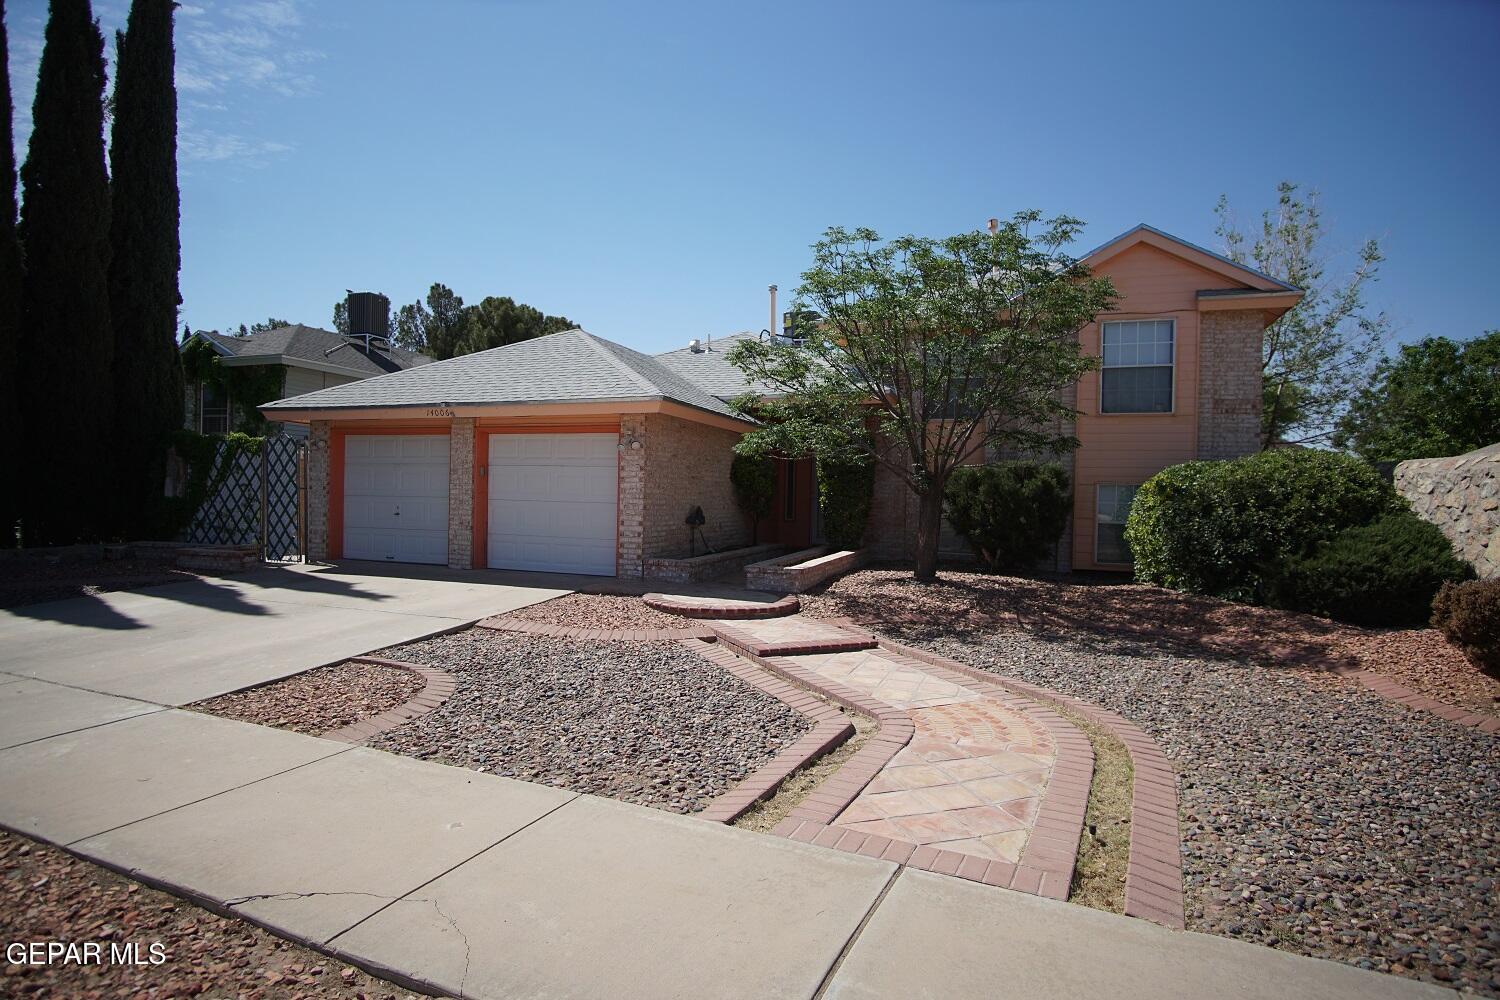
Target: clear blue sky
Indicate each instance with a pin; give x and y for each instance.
(648, 169)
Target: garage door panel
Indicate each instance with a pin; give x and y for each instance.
(396, 497)
(552, 502)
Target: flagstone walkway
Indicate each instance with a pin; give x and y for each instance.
(967, 778)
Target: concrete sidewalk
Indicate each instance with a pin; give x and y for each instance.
(475, 885)
(179, 643)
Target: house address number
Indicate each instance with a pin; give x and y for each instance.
(438, 411)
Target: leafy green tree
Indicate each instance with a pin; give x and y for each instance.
(409, 326)
(1434, 398)
(146, 257)
(753, 478)
(928, 351)
(1319, 349)
(341, 316)
(499, 320)
(67, 347)
(446, 322)
(249, 331)
(11, 271)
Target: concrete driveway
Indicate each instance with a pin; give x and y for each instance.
(179, 643)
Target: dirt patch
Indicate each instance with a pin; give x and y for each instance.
(763, 816)
(48, 895)
(1104, 848)
(1135, 619)
(321, 700)
(599, 611)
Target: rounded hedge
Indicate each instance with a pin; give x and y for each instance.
(1382, 574)
(1011, 513)
(1225, 528)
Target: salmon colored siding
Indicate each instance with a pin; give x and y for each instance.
(1129, 448)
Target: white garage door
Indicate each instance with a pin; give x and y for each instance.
(552, 502)
(396, 497)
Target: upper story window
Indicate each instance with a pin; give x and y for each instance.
(1137, 372)
(213, 409)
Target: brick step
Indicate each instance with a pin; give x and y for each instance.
(715, 607)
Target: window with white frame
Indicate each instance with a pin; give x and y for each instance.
(1110, 511)
(1137, 372)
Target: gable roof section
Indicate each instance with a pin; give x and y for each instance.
(710, 369)
(573, 366)
(310, 346)
(1191, 252)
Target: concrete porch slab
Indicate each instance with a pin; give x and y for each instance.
(73, 786)
(33, 710)
(314, 851)
(935, 936)
(604, 899)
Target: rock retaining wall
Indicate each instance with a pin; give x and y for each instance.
(1460, 495)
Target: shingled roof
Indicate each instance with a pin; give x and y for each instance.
(569, 367)
(709, 367)
(290, 344)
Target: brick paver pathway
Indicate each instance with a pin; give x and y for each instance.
(973, 776)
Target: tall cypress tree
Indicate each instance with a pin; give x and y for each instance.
(10, 303)
(66, 339)
(147, 254)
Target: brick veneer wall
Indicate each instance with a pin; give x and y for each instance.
(317, 490)
(1229, 383)
(687, 466)
(632, 492)
(1460, 495)
(461, 493)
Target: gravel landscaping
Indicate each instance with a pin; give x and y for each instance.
(1128, 617)
(1317, 817)
(48, 895)
(36, 580)
(644, 722)
(599, 611)
(321, 700)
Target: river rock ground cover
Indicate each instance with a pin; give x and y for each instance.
(646, 722)
(599, 611)
(48, 895)
(319, 701)
(1316, 816)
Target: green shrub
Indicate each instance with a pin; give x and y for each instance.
(1468, 615)
(1221, 528)
(1011, 513)
(1380, 574)
(844, 493)
(754, 482)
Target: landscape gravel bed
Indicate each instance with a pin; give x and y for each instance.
(321, 700)
(1317, 817)
(644, 722)
(34, 581)
(599, 611)
(1128, 617)
(48, 895)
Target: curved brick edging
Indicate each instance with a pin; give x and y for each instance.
(829, 732)
(1153, 876)
(1388, 688)
(1046, 870)
(438, 689)
(507, 624)
(722, 608)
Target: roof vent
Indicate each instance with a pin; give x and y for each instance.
(695, 345)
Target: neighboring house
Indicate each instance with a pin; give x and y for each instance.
(574, 454)
(307, 359)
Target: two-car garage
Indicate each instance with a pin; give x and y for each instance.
(549, 499)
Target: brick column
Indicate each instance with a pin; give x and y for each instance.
(630, 532)
(317, 491)
(461, 494)
(1229, 383)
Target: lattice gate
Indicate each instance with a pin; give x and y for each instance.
(258, 501)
